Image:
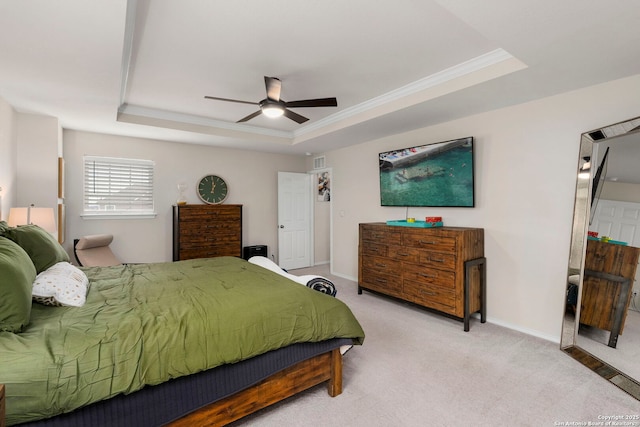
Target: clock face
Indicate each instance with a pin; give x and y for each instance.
(212, 189)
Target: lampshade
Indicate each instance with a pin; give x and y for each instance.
(18, 216)
(42, 217)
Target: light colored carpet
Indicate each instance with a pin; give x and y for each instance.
(421, 369)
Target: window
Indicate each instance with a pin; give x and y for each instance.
(118, 187)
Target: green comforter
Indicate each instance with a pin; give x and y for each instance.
(144, 324)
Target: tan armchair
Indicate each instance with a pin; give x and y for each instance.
(94, 250)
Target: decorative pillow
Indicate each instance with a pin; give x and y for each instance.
(61, 284)
(3, 227)
(41, 246)
(16, 276)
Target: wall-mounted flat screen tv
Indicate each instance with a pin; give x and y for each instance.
(433, 175)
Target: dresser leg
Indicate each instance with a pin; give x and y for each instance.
(359, 290)
(467, 291)
(481, 263)
(483, 289)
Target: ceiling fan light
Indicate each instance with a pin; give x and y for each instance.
(272, 111)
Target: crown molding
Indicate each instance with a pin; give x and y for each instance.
(191, 123)
(474, 71)
(474, 65)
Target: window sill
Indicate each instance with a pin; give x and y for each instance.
(118, 216)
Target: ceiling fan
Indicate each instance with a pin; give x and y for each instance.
(273, 106)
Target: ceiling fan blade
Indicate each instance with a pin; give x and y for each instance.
(250, 116)
(295, 116)
(320, 102)
(230, 100)
(274, 86)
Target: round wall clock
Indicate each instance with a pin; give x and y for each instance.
(212, 189)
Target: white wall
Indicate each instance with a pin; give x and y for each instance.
(37, 160)
(252, 179)
(525, 161)
(321, 219)
(621, 191)
(8, 159)
(30, 145)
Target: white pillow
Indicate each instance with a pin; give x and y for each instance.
(61, 284)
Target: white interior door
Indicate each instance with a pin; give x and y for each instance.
(294, 220)
(619, 221)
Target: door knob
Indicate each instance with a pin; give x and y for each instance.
(282, 226)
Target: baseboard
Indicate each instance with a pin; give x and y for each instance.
(537, 334)
(344, 276)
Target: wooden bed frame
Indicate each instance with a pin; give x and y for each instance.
(281, 385)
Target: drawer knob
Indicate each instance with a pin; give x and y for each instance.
(428, 276)
(428, 242)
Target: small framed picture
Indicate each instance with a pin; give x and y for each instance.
(324, 186)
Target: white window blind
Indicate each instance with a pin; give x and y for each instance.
(114, 186)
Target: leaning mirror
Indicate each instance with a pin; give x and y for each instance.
(601, 326)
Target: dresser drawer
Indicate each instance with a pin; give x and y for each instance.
(205, 230)
(200, 241)
(382, 274)
(430, 242)
(402, 253)
(420, 274)
(430, 296)
(386, 283)
(384, 235)
(374, 249)
(210, 252)
(383, 265)
(440, 260)
(202, 216)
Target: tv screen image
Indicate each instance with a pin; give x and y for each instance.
(432, 175)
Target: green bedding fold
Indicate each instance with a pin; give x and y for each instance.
(144, 324)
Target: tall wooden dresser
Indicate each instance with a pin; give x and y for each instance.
(204, 231)
(441, 268)
(609, 272)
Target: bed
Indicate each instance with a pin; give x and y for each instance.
(197, 342)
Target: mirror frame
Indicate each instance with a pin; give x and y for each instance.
(581, 214)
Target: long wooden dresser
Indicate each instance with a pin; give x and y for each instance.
(204, 231)
(609, 273)
(441, 268)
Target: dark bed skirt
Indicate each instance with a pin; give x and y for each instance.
(158, 405)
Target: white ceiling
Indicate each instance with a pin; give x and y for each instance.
(142, 68)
